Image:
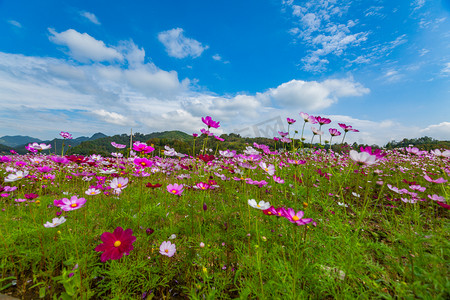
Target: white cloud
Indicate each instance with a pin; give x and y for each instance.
(439, 131)
(313, 95)
(217, 57)
(113, 117)
(323, 32)
(84, 47)
(417, 4)
(15, 23)
(446, 69)
(90, 16)
(179, 46)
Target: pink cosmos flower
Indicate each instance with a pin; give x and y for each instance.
(270, 169)
(440, 153)
(210, 123)
(202, 186)
(323, 121)
(439, 180)
(39, 147)
(142, 147)
(142, 162)
(65, 135)
(296, 218)
(71, 204)
(116, 244)
(206, 132)
(307, 118)
(167, 248)
(290, 121)
(277, 179)
(334, 132)
(296, 162)
(316, 131)
(283, 134)
(219, 138)
(45, 169)
(347, 127)
(417, 188)
(377, 152)
(176, 189)
(435, 197)
(118, 146)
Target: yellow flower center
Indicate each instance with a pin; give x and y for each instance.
(143, 163)
(167, 250)
(267, 170)
(73, 205)
(92, 193)
(203, 188)
(117, 243)
(174, 191)
(269, 213)
(119, 185)
(295, 218)
(258, 205)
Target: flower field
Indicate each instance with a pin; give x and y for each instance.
(286, 223)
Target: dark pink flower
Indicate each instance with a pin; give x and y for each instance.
(210, 123)
(116, 244)
(323, 121)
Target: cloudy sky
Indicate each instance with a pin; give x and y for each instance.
(108, 66)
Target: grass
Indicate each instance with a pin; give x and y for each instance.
(367, 242)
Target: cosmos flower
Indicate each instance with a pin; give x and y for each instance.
(363, 158)
(55, 222)
(323, 121)
(92, 191)
(296, 218)
(118, 146)
(17, 176)
(142, 147)
(70, 204)
(119, 183)
(291, 121)
(176, 189)
(39, 147)
(65, 135)
(167, 248)
(262, 205)
(270, 169)
(116, 244)
(334, 132)
(210, 123)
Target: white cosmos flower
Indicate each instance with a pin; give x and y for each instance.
(17, 176)
(55, 222)
(261, 205)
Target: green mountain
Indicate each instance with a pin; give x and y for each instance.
(17, 140)
(103, 145)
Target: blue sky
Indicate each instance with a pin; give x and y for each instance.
(109, 66)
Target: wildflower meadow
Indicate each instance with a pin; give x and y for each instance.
(284, 222)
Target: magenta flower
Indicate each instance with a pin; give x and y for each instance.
(206, 132)
(70, 204)
(219, 138)
(116, 244)
(167, 248)
(277, 179)
(323, 121)
(347, 127)
(142, 162)
(176, 189)
(195, 135)
(210, 123)
(283, 134)
(201, 186)
(291, 121)
(45, 169)
(377, 152)
(142, 147)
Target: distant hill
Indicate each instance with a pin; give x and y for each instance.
(57, 143)
(17, 140)
(103, 145)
